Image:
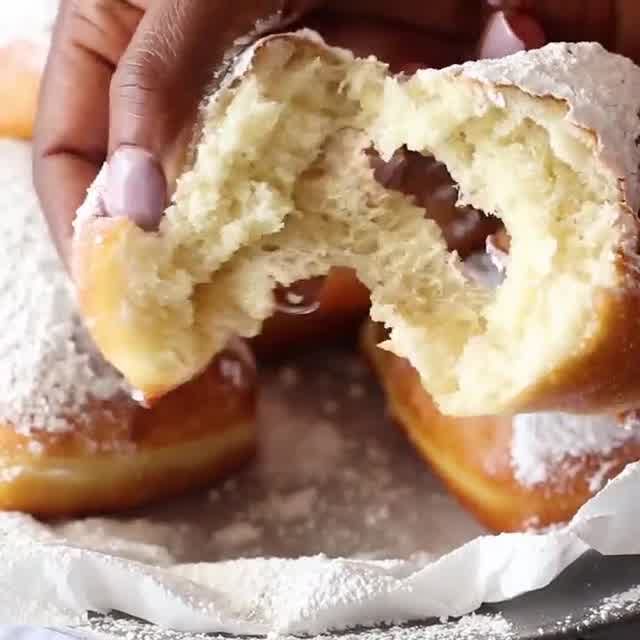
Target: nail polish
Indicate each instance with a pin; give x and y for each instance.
(136, 187)
(508, 33)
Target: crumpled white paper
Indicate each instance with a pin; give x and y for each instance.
(307, 595)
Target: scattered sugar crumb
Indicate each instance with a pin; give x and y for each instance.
(35, 448)
(294, 298)
(49, 370)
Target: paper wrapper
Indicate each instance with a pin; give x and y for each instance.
(53, 575)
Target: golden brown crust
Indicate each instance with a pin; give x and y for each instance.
(604, 375)
(123, 456)
(20, 72)
(472, 456)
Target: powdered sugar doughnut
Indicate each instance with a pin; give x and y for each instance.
(72, 439)
(281, 190)
(513, 473)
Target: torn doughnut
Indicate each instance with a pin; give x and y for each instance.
(280, 189)
(335, 307)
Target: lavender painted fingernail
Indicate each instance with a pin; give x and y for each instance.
(136, 187)
(506, 34)
(500, 39)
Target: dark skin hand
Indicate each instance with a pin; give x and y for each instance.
(125, 78)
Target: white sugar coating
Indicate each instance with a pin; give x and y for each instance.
(548, 447)
(30, 20)
(620, 600)
(49, 370)
(606, 103)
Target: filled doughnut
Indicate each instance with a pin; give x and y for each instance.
(513, 473)
(72, 439)
(281, 189)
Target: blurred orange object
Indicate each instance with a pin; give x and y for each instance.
(21, 66)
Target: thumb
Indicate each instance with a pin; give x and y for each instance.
(159, 84)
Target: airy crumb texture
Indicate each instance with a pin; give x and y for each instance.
(281, 189)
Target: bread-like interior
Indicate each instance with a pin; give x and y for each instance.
(281, 190)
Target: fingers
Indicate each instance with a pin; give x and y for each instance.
(614, 23)
(159, 85)
(507, 33)
(72, 126)
(122, 77)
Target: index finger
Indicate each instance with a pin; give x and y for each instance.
(73, 116)
(74, 122)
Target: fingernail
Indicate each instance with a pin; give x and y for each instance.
(509, 33)
(136, 187)
(410, 68)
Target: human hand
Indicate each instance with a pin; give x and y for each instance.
(125, 77)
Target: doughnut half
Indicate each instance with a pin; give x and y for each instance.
(280, 189)
(476, 457)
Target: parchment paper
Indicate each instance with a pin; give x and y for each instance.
(334, 477)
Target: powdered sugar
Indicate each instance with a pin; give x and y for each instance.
(49, 371)
(367, 494)
(550, 447)
(606, 102)
(335, 483)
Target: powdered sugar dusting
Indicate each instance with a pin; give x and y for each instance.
(49, 371)
(550, 447)
(340, 478)
(372, 494)
(601, 90)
